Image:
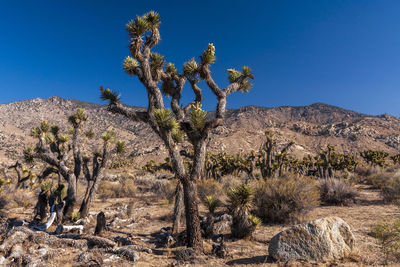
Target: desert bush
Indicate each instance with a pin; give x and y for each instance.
(337, 192)
(165, 189)
(285, 199)
(365, 171)
(240, 199)
(122, 189)
(208, 187)
(390, 189)
(388, 235)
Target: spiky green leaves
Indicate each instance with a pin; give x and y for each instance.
(240, 197)
(89, 134)
(191, 70)
(178, 135)
(137, 26)
(108, 136)
(28, 154)
(120, 147)
(107, 94)
(208, 56)
(234, 75)
(153, 19)
(46, 186)
(171, 69)
(242, 78)
(78, 117)
(166, 120)
(198, 116)
(156, 61)
(130, 65)
(247, 72)
(143, 24)
(255, 220)
(211, 202)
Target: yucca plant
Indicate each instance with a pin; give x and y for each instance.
(240, 199)
(211, 202)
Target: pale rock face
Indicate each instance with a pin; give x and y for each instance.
(323, 239)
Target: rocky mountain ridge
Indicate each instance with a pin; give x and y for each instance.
(311, 127)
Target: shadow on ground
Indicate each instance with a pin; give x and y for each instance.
(252, 260)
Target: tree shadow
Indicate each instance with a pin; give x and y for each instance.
(252, 260)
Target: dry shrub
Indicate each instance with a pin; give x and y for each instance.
(337, 192)
(365, 171)
(378, 180)
(285, 199)
(165, 189)
(207, 187)
(23, 198)
(390, 189)
(122, 189)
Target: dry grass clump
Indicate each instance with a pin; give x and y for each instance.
(207, 187)
(23, 198)
(285, 199)
(388, 183)
(337, 192)
(390, 189)
(365, 171)
(165, 189)
(121, 189)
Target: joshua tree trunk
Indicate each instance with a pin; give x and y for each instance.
(70, 200)
(192, 214)
(178, 208)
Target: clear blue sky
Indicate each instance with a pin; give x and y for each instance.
(344, 53)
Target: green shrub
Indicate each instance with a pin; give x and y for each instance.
(337, 192)
(285, 199)
(76, 215)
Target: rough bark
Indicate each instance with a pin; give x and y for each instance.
(193, 230)
(101, 223)
(178, 208)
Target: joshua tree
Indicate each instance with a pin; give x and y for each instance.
(269, 159)
(160, 78)
(375, 157)
(99, 161)
(54, 149)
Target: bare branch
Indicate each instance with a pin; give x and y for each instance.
(133, 115)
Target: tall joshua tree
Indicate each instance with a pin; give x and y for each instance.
(159, 77)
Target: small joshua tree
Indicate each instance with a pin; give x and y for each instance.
(158, 78)
(240, 200)
(211, 202)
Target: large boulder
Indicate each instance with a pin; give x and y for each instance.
(324, 239)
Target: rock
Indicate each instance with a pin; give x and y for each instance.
(323, 239)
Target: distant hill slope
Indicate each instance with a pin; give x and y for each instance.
(311, 127)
